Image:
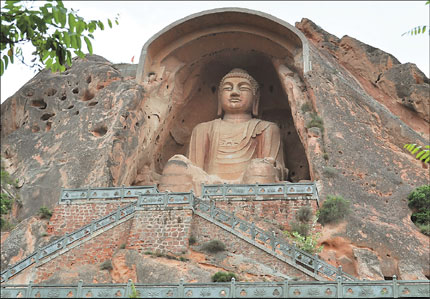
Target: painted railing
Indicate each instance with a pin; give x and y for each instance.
(276, 245)
(234, 289)
(91, 194)
(151, 196)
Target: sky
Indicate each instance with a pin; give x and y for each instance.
(377, 23)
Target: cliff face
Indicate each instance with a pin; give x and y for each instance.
(93, 126)
(371, 106)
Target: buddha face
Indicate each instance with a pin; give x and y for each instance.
(236, 96)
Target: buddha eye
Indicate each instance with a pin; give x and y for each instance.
(228, 88)
(244, 88)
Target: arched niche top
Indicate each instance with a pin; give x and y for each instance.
(213, 31)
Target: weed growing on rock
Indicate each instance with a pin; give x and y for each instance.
(301, 228)
(45, 213)
(221, 276)
(192, 240)
(306, 107)
(315, 121)
(307, 243)
(213, 246)
(419, 202)
(304, 214)
(334, 209)
(106, 265)
(122, 246)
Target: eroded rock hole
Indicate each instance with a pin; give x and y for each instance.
(63, 97)
(100, 87)
(71, 107)
(35, 129)
(47, 116)
(77, 112)
(99, 131)
(50, 92)
(89, 79)
(75, 90)
(88, 95)
(41, 104)
(92, 104)
(48, 126)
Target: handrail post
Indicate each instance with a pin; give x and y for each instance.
(212, 209)
(192, 199)
(294, 252)
(128, 289)
(79, 292)
(224, 190)
(64, 242)
(253, 231)
(122, 193)
(273, 240)
(339, 287)
(285, 289)
(181, 288)
(88, 194)
(233, 288)
(315, 264)
(233, 218)
(395, 287)
(339, 271)
(29, 288)
(165, 199)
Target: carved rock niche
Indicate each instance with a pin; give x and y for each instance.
(182, 65)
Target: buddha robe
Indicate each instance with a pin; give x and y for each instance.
(225, 149)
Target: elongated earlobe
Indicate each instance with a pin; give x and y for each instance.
(219, 111)
(255, 105)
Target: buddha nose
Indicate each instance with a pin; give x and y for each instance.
(235, 91)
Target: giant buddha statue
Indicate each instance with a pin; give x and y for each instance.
(235, 148)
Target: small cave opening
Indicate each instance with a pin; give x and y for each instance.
(47, 116)
(40, 104)
(88, 95)
(50, 92)
(202, 107)
(99, 131)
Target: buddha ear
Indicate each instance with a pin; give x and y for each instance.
(255, 105)
(219, 111)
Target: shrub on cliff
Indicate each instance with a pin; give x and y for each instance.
(45, 213)
(334, 209)
(223, 276)
(213, 246)
(419, 202)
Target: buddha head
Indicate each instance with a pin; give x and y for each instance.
(238, 92)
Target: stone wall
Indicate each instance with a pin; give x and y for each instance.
(204, 231)
(92, 252)
(163, 230)
(68, 218)
(268, 214)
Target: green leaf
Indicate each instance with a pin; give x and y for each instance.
(420, 154)
(109, 23)
(73, 41)
(89, 46)
(101, 26)
(80, 27)
(72, 22)
(66, 38)
(427, 160)
(1, 67)
(6, 61)
(55, 13)
(416, 150)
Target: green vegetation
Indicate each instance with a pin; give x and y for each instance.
(300, 228)
(192, 240)
(6, 199)
(421, 154)
(419, 202)
(306, 243)
(304, 214)
(419, 29)
(106, 265)
(134, 293)
(221, 276)
(213, 246)
(306, 107)
(45, 213)
(122, 246)
(334, 209)
(316, 121)
(51, 29)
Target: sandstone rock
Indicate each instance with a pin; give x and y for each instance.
(368, 264)
(92, 126)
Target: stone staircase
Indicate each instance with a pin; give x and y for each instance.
(202, 206)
